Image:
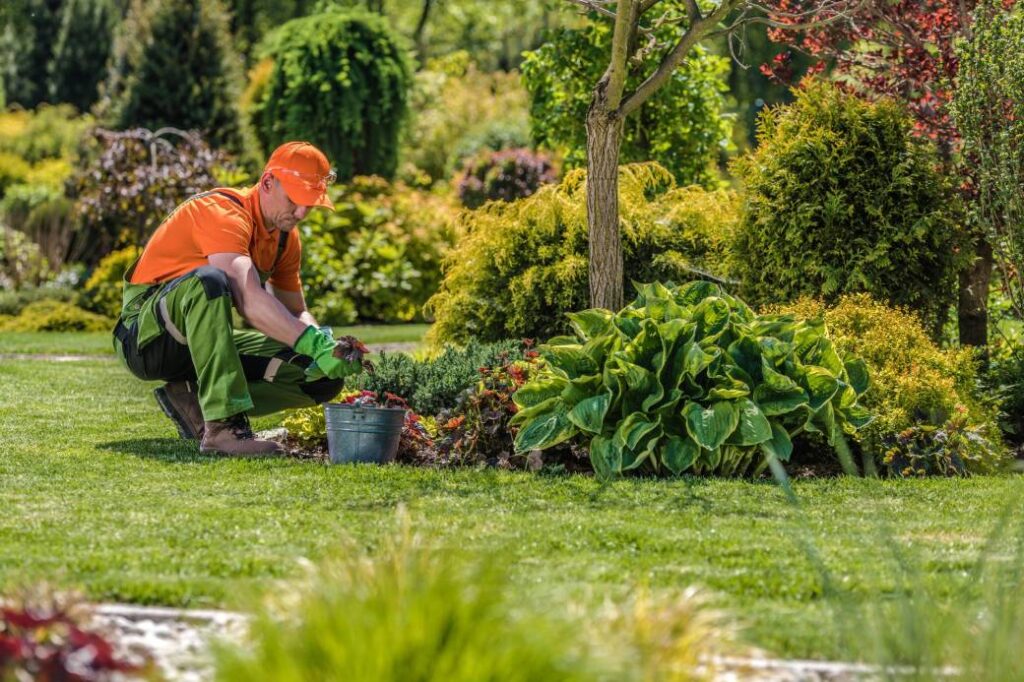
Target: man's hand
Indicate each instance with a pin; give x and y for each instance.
(322, 348)
(351, 349)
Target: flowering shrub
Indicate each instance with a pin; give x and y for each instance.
(504, 175)
(47, 644)
(136, 180)
(102, 291)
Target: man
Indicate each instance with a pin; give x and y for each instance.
(237, 248)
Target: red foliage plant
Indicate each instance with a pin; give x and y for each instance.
(47, 644)
(902, 49)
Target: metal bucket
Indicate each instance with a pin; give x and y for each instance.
(362, 434)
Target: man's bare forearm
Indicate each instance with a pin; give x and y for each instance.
(268, 315)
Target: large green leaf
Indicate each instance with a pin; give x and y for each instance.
(696, 291)
(678, 454)
(527, 413)
(777, 381)
(570, 361)
(632, 429)
(779, 445)
(773, 402)
(539, 389)
(711, 316)
(710, 426)
(857, 372)
(644, 450)
(696, 360)
(727, 388)
(591, 323)
(605, 457)
(589, 414)
(746, 353)
(753, 427)
(581, 389)
(820, 384)
(642, 387)
(859, 416)
(545, 430)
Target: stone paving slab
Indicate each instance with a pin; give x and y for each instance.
(178, 641)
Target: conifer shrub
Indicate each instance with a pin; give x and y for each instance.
(341, 81)
(159, 78)
(520, 267)
(914, 383)
(83, 42)
(841, 199)
(433, 385)
(504, 175)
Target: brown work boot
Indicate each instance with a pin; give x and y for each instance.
(233, 436)
(179, 401)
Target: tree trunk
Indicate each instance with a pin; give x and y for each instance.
(972, 307)
(604, 140)
(419, 34)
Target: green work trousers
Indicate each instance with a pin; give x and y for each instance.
(182, 331)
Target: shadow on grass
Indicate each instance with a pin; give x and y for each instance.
(170, 450)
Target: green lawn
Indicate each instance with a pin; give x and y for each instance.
(97, 493)
(99, 343)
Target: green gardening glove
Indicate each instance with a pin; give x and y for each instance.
(320, 346)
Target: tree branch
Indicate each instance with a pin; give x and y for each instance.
(622, 38)
(675, 57)
(595, 6)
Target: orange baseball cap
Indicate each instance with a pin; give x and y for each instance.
(304, 172)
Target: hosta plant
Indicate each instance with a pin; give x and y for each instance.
(689, 379)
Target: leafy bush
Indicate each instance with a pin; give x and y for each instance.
(378, 255)
(56, 316)
(102, 291)
(954, 449)
(152, 179)
(21, 262)
(48, 132)
(340, 80)
(13, 301)
(159, 79)
(46, 217)
(504, 175)
(13, 170)
(520, 267)
(913, 382)
(434, 385)
(1005, 380)
(26, 45)
(690, 379)
(681, 126)
(840, 198)
(456, 110)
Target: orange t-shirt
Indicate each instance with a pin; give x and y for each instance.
(214, 223)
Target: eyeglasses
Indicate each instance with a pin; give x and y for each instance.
(312, 181)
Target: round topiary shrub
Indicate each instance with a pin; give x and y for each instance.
(504, 175)
(341, 81)
(919, 391)
(841, 199)
(520, 266)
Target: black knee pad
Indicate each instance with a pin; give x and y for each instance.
(323, 390)
(214, 281)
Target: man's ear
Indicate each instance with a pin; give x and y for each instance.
(267, 181)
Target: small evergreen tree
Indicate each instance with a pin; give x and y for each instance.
(341, 81)
(80, 54)
(27, 36)
(173, 65)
